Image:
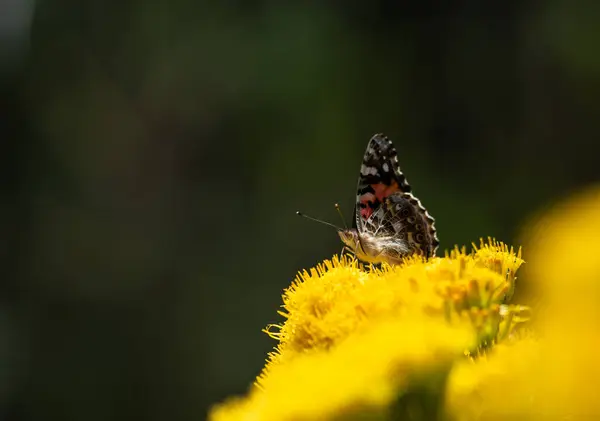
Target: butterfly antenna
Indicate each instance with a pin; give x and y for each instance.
(317, 220)
(339, 210)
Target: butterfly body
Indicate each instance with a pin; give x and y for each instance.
(390, 222)
(373, 249)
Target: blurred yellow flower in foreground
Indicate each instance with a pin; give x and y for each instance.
(557, 375)
(361, 377)
(436, 339)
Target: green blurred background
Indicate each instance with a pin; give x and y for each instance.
(154, 154)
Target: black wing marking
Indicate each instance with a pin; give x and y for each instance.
(380, 175)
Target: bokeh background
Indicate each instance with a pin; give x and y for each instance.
(154, 153)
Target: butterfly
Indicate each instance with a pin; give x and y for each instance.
(389, 221)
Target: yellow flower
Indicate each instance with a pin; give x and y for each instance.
(496, 385)
(556, 375)
(386, 368)
(379, 341)
(435, 339)
(500, 258)
(335, 299)
(564, 247)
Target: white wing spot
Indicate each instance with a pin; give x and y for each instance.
(398, 226)
(365, 170)
(386, 167)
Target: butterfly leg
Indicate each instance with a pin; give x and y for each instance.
(346, 249)
(343, 250)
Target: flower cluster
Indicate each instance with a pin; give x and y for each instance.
(439, 338)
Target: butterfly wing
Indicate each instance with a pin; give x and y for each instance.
(385, 206)
(380, 176)
(406, 220)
